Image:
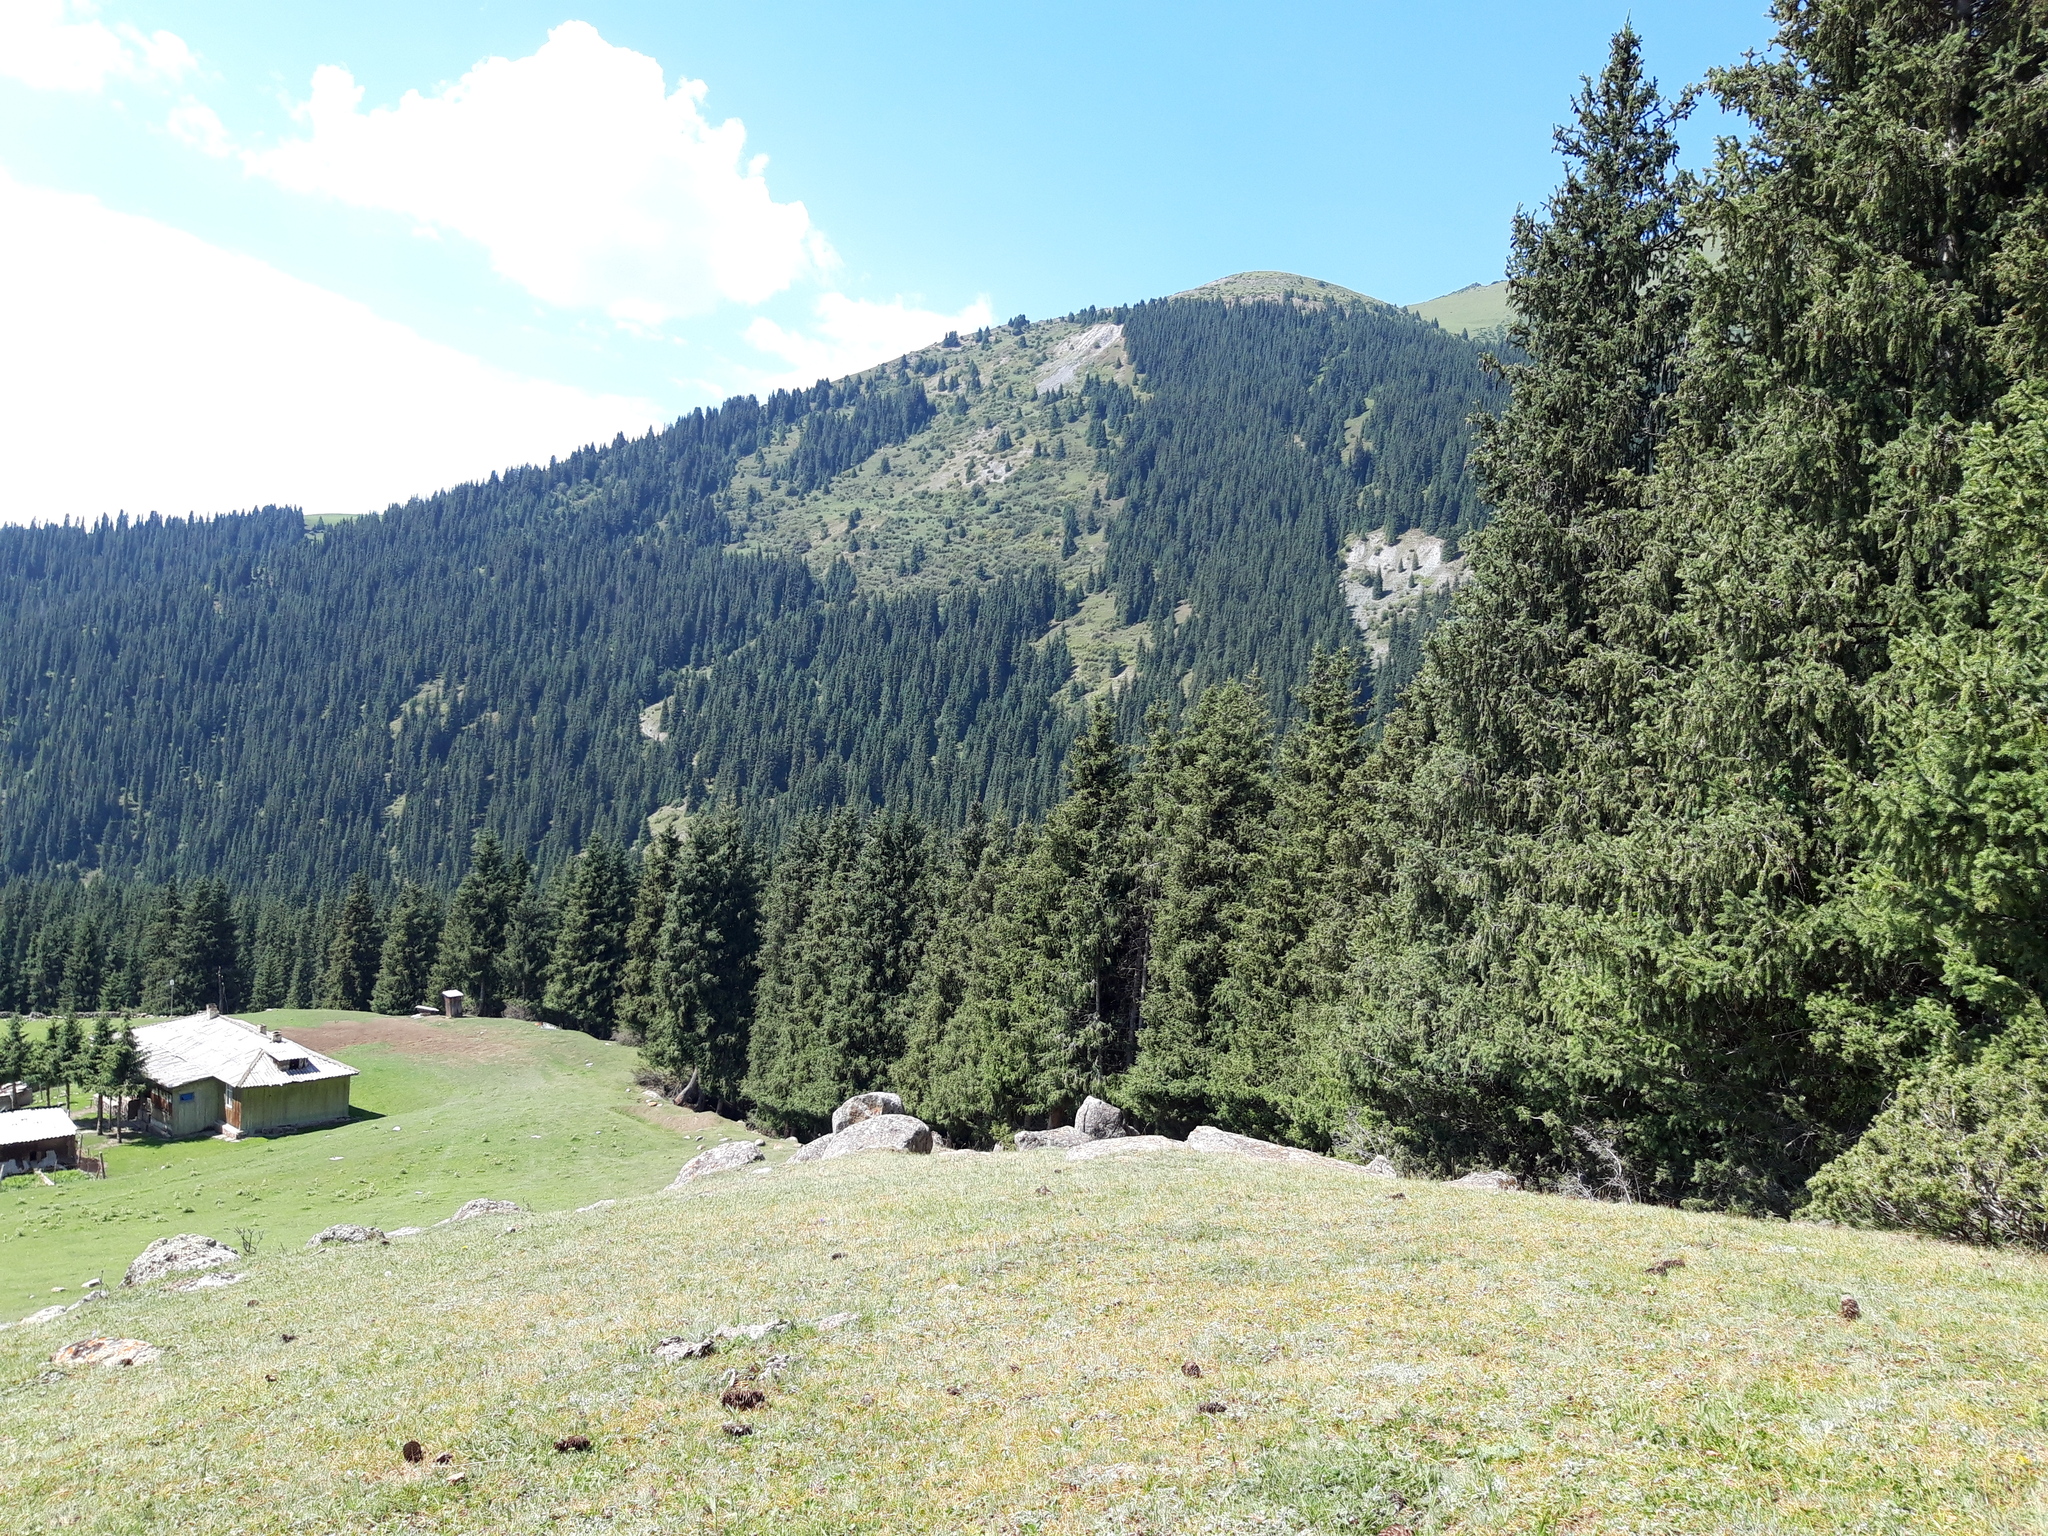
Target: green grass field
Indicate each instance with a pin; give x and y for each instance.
(1478, 311)
(473, 1107)
(1372, 1357)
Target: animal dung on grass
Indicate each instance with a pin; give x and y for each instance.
(737, 1430)
(729, 1157)
(101, 1350)
(1189, 1368)
(877, 1133)
(573, 1443)
(177, 1255)
(743, 1399)
(345, 1232)
(1211, 1407)
(1850, 1310)
(444, 1458)
(1665, 1266)
(865, 1106)
(413, 1452)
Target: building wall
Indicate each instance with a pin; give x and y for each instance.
(188, 1116)
(294, 1104)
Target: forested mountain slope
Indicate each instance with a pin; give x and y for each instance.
(894, 589)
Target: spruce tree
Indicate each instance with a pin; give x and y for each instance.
(405, 964)
(208, 952)
(162, 941)
(1212, 795)
(353, 952)
(532, 916)
(468, 959)
(706, 958)
(15, 1052)
(590, 945)
(643, 934)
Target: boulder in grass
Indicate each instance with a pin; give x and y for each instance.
(1206, 1138)
(1118, 1146)
(177, 1255)
(345, 1232)
(1489, 1179)
(727, 1158)
(1382, 1167)
(101, 1350)
(1059, 1136)
(878, 1133)
(865, 1106)
(476, 1208)
(1099, 1121)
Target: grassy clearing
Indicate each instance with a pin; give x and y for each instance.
(454, 1110)
(1446, 1361)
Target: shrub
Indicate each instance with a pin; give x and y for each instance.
(1960, 1152)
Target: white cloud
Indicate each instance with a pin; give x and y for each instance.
(147, 370)
(853, 334)
(590, 184)
(197, 124)
(61, 45)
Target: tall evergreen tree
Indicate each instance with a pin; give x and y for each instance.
(706, 959)
(405, 964)
(637, 1003)
(208, 951)
(1212, 794)
(590, 946)
(469, 957)
(352, 953)
(162, 943)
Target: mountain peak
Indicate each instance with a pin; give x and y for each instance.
(1251, 287)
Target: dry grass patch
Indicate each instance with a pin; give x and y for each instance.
(1450, 1361)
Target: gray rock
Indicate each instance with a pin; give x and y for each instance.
(176, 1255)
(865, 1106)
(728, 1158)
(405, 1232)
(213, 1280)
(477, 1208)
(680, 1348)
(1206, 1138)
(1489, 1179)
(754, 1331)
(101, 1350)
(1116, 1146)
(1099, 1121)
(346, 1232)
(1382, 1167)
(878, 1133)
(1058, 1136)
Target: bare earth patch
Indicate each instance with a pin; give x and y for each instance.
(446, 1039)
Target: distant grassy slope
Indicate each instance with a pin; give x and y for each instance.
(1276, 285)
(1480, 310)
(1448, 1361)
(475, 1107)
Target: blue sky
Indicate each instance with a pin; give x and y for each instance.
(334, 255)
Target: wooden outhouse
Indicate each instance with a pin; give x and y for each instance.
(210, 1072)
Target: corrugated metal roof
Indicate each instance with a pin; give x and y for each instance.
(234, 1051)
(24, 1125)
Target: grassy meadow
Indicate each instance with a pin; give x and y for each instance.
(445, 1111)
(1372, 1357)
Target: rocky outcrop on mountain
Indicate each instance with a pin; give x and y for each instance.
(177, 1255)
(728, 1157)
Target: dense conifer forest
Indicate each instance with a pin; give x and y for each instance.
(1695, 851)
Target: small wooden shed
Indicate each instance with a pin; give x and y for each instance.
(210, 1072)
(32, 1138)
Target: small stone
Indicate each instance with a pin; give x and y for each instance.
(1060, 1137)
(1850, 1310)
(865, 1106)
(444, 1458)
(458, 1477)
(413, 1451)
(680, 1348)
(476, 1208)
(573, 1443)
(177, 1255)
(1491, 1179)
(729, 1157)
(345, 1232)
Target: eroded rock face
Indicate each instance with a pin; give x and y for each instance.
(176, 1255)
(877, 1133)
(726, 1158)
(346, 1232)
(1098, 1120)
(865, 1106)
(1117, 1146)
(477, 1208)
(1487, 1178)
(1058, 1136)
